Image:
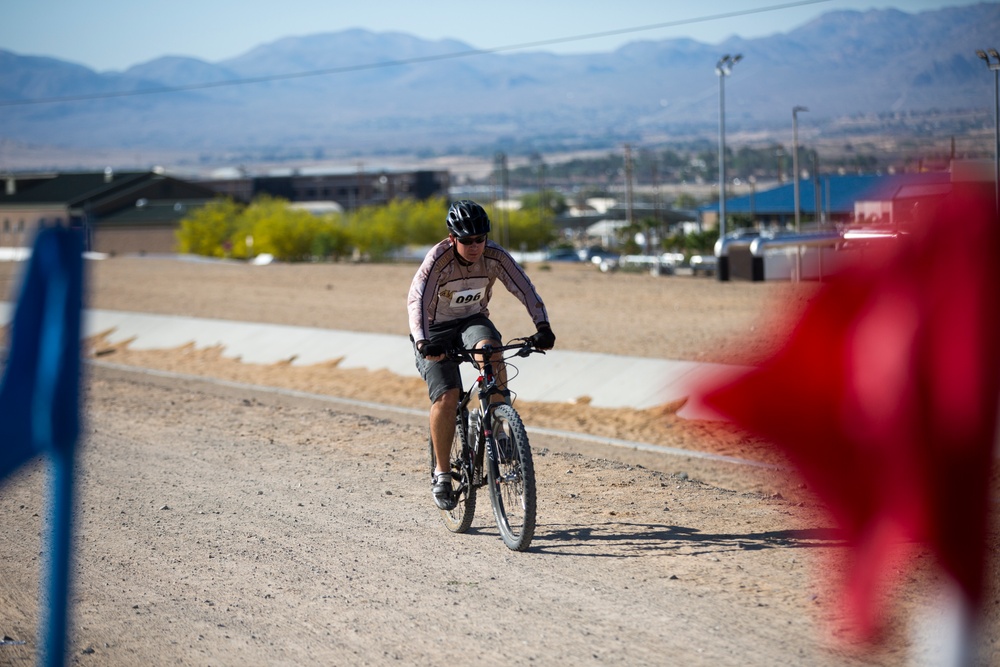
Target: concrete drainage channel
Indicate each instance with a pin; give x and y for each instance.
(560, 376)
(421, 414)
(607, 381)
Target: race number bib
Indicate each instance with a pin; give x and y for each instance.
(467, 298)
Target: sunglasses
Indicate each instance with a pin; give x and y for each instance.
(472, 240)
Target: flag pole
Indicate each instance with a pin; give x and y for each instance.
(61, 542)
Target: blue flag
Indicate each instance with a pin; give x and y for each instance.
(39, 395)
(39, 401)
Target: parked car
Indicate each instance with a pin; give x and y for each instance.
(562, 255)
(593, 251)
(658, 265)
(605, 260)
(606, 263)
(705, 265)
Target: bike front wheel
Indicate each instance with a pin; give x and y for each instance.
(459, 519)
(511, 476)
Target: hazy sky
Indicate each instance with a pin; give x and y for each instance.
(115, 34)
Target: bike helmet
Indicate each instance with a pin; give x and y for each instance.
(467, 218)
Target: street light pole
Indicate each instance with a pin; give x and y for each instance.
(795, 186)
(993, 63)
(723, 68)
(795, 164)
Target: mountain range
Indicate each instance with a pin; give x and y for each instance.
(359, 91)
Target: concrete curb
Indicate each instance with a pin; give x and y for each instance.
(602, 380)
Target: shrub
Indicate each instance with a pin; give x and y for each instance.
(208, 230)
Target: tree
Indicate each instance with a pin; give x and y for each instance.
(209, 229)
(274, 228)
(269, 225)
(376, 231)
(528, 231)
(423, 222)
(685, 201)
(332, 240)
(548, 200)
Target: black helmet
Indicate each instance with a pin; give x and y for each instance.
(467, 218)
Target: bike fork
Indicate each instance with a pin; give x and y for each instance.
(473, 431)
(492, 456)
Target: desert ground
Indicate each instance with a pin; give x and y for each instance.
(223, 522)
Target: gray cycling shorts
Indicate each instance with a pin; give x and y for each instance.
(443, 375)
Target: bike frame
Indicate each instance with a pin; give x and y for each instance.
(508, 469)
(485, 386)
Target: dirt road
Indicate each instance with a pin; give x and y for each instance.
(224, 523)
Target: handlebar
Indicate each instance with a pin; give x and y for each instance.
(524, 347)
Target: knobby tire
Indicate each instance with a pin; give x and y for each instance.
(512, 482)
(459, 519)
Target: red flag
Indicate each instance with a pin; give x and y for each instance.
(885, 398)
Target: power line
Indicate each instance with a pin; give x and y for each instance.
(406, 61)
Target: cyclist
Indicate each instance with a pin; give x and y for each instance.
(448, 306)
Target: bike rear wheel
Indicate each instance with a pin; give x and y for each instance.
(511, 476)
(459, 519)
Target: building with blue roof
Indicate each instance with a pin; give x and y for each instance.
(833, 208)
(836, 197)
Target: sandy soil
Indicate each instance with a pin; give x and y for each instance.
(224, 523)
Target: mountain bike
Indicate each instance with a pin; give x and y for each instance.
(491, 448)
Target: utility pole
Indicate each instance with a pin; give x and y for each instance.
(628, 184)
(795, 186)
(723, 68)
(994, 66)
(503, 183)
(796, 174)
